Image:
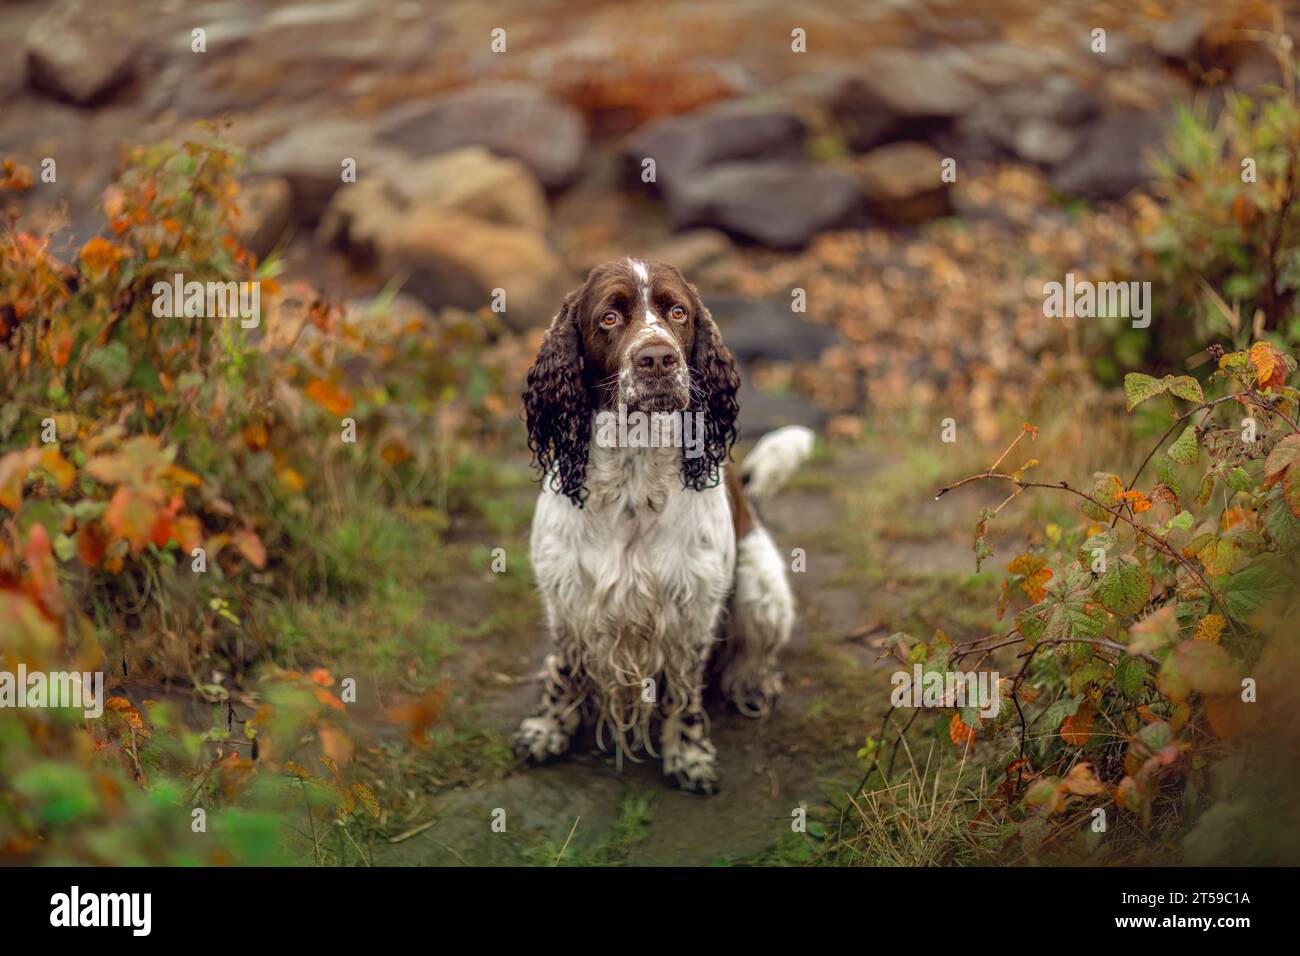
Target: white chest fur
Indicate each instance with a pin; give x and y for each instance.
(634, 582)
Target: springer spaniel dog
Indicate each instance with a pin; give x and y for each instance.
(655, 572)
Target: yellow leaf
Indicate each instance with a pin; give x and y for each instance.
(1210, 627)
(60, 469)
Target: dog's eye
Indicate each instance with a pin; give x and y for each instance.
(678, 313)
(609, 319)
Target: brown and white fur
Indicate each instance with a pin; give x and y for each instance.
(653, 568)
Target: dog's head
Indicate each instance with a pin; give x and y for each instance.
(635, 334)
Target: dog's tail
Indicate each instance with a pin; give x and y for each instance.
(775, 459)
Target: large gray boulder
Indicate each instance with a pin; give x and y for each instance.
(768, 329)
(683, 146)
(901, 93)
(311, 158)
(549, 136)
(779, 204)
(81, 51)
(1112, 158)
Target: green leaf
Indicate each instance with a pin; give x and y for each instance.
(1253, 587)
(110, 366)
(1239, 479)
(1185, 450)
(1031, 622)
(1131, 675)
(1138, 388)
(1283, 526)
(1105, 540)
(1125, 587)
(1084, 621)
(1185, 387)
(1105, 487)
(1055, 715)
(1168, 477)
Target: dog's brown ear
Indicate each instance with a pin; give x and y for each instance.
(713, 371)
(557, 405)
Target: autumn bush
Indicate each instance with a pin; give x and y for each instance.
(163, 481)
(1220, 240)
(1147, 668)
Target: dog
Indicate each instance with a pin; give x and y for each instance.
(654, 570)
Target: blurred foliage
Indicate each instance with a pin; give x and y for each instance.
(1152, 692)
(1223, 242)
(163, 482)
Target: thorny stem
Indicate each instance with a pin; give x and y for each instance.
(1161, 545)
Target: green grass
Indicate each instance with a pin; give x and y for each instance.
(613, 848)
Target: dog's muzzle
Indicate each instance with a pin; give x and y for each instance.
(655, 377)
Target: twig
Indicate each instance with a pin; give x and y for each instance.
(574, 829)
(1160, 543)
(414, 831)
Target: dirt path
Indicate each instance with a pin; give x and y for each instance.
(803, 755)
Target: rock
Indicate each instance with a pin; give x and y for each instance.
(780, 204)
(682, 146)
(549, 136)
(997, 63)
(767, 329)
(1044, 142)
(469, 181)
(902, 94)
(902, 182)
(1059, 98)
(81, 51)
(265, 213)
(311, 156)
(1256, 67)
(455, 260)
(459, 225)
(1180, 38)
(1112, 160)
(690, 251)
(762, 412)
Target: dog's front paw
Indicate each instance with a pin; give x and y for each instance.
(694, 765)
(757, 698)
(538, 739)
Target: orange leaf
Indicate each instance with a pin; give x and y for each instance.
(250, 546)
(1229, 716)
(1077, 728)
(13, 473)
(1268, 363)
(959, 733)
(131, 516)
(99, 257)
(188, 533)
(42, 581)
(330, 397)
(60, 469)
(90, 545)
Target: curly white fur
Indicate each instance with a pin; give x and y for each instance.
(634, 586)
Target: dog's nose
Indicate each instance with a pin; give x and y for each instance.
(658, 359)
